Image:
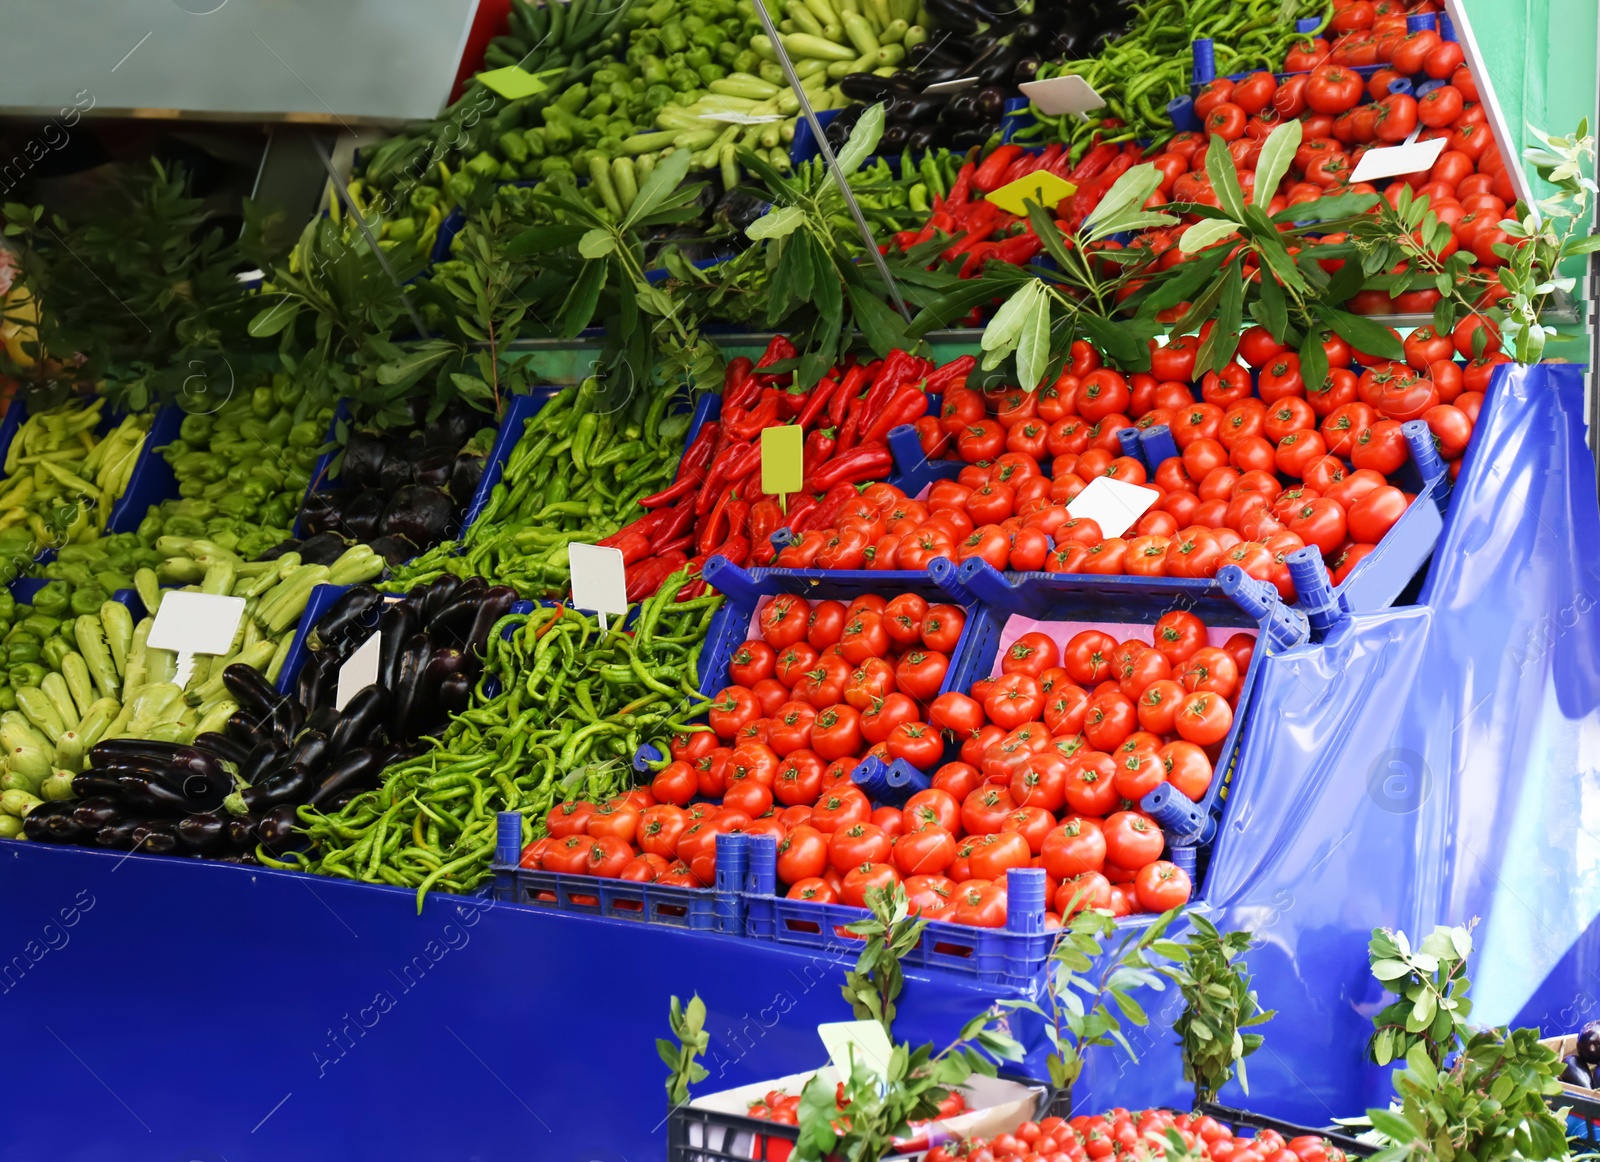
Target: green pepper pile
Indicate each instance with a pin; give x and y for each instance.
(573, 704)
(1149, 65)
(572, 476)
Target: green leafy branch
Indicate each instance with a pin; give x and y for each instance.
(1218, 1003)
(1432, 1006)
(688, 1026)
(889, 933)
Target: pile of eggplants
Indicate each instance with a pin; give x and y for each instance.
(400, 492)
(432, 643)
(999, 44)
(230, 790)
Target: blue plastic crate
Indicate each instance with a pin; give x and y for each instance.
(319, 473)
(522, 409)
(716, 909)
(1233, 601)
(1012, 956)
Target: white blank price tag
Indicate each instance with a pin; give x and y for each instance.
(359, 671)
(864, 1040)
(599, 580)
(1112, 504)
(1058, 95)
(195, 623)
(1412, 157)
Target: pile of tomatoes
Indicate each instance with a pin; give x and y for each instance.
(1118, 1134)
(783, 1108)
(1267, 464)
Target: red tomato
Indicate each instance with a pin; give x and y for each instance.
(1187, 768)
(984, 811)
(1332, 89)
(1087, 658)
(927, 852)
(916, 742)
(1205, 718)
(941, 627)
(859, 880)
(1032, 653)
(815, 889)
(1178, 634)
(1162, 886)
(1015, 699)
(1075, 847)
(879, 720)
(1080, 893)
(1375, 514)
(1132, 841)
(784, 620)
(997, 852)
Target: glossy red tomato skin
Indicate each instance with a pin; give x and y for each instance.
(1132, 841)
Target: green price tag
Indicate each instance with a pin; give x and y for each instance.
(512, 83)
(782, 462)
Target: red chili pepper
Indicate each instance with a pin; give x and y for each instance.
(678, 523)
(794, 399)
(1018, 249)
(736, 549)
(849, 390)
(956, 369)
(713, 527)
(850, 430)
(680, 545)
(828, 509)
(742, 465)
(645, 526)
(646, 577)
(896, 370)
(1093, 162)
(994, 167)
(766, 518)
(718, 473)
(976, 257)
(778, 348)
(683, 487)
(635, 546)
(977, 232)
(765, 414)
(932, 436)
(739, 390)
(1120, 165)
(1021, 168)
(816, 402)
(799, 511)
(863, 463)
(820, 444)
(908, 404)
(961, 188)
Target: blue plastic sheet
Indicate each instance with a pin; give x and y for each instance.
(1429, 764)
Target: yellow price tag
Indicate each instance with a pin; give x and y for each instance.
(512, 83)
(782, 462)
(1042, 187)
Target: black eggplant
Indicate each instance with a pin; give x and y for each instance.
(61, 828)
(394, 549)
(455, 694)
(250, 690)
(320, 513)
(955, 16)
(923, 138)
(396, 472)
(277, 830)
(493, 605)
(454, 427)
(436, 596)
(868, 87)
(409, 695)
(118, 835)
(96, 813)
(323, 719)
(279, 549)
(363, 716)
(355, 611)
(1589, 1044)
(287, 720)
(203, 833)
(894, 138)
(1027, 70)
(157, 836)
(323, 549)
(310, 750)
(263, 757)
(360, 514)
(452, 625)
(202, 778)
(245, 727)
(133, 750)
(242, 831)
(317, 676)
(465, 475)
(397, 623)
(289, 784)
(354, 771)
(363, 460)
(421, 514)
(90, 784)
(964, 139)
(991, 102)
(147, 793)
(434, 468)
(1573, 1072)
(36, 825)
(227, 749)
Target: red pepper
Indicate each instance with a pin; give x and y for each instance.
(819, 446)
(714, 527)
(1018, 249)
(976, 257)
(961, 188)
(828, 509)
(1021, 168)
(799, 511)
(715, 477)
(994, 166)
(681, 545)
(906, 239)
(1120, 165)
(766, 518)
(646, 577)
(645, 525)
(763, 415)
(747, 461)
(896, 370)
(683, 487)
(979, 227)
(1093, 162)
(739, 390)
(736, 549)
(909, 404)
(950, 373)
(849, 390)
(850, 430)
(794, 399)
(864, 463)
(778, 348)
(679, 521)
(635, 546)
(820, 395)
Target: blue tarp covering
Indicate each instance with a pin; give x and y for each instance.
(1429, 764)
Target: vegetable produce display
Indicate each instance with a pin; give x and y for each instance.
(62, 478)
(1118, 1132)
(566, 708)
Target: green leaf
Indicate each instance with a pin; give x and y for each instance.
(880, 325)
(1461, 938)
(1363, 334)
(1128, 192)
(1392, 1126)
(1008, 321)
(543, 240)
(1276, 154)
(1225, 181)
(778, 222)
(1181, 281)
(1390, 969)
(1204, 234)
(1581, 245)
(580, 307)
(597, 243)
(1033, 343)
(1224, 337)
(1313, 359)
(863, 140)
(273, 319)
(1274, 309)
(408, 367)
(663, 181)
(1328, 209)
